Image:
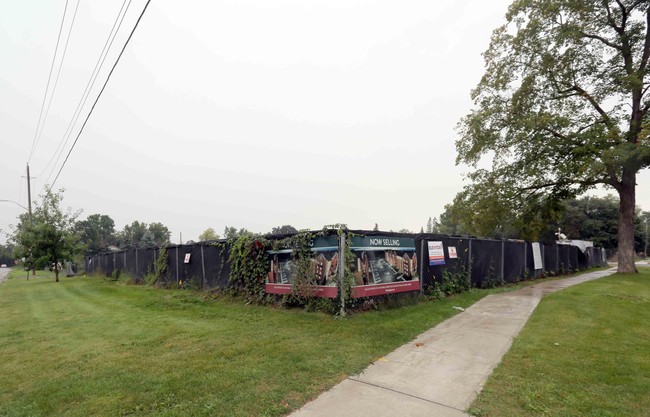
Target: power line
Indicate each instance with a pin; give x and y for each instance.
(56, 81)
(49, 77)
(101, 91)
(89, 85)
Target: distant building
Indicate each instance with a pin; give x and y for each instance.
(320, 266)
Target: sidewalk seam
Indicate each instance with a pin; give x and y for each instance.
(404, 393)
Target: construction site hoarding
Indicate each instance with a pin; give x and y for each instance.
(384, 265)
(322, 271)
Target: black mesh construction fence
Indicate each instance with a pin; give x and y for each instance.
(574, 258)
(433, 273)
(583, 260)
(217, 266)
(551, 257)
(566, 259)
(145, 259)
(486, 262)
(172, 275)
(135, 262)
(206, 265)
(119, 260)
(514, 261)
(130, 264)
(595, 257)
(109, 263)
(533, 272)
(191, 265)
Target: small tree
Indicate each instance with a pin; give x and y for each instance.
(231, 232)
(208, 234)
(284, 230)
(49, 237)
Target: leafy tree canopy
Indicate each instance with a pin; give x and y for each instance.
(49, 237)
(97, 232)
(587, 218)
(562, 107)
(208, 234)
(143, 235)
(231, 232)
(7, 254)
(284, 230)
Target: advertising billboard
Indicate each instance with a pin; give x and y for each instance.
(323, 269)
(384, 265)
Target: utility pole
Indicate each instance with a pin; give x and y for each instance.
(29, 210)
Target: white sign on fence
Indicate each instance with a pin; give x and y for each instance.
(537, 256)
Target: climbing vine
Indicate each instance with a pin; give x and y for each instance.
(249, 266)
(160, 267)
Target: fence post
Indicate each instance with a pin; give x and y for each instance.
(422, 242)
(557, 259)
(342, 272)
(176, 264)
(503, 259)
(202, 267)
(526, 258)
(469, 261)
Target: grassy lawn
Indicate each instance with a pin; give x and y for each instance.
(584, 352)
(85, 347)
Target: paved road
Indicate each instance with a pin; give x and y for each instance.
(441, 371)
(3, 273)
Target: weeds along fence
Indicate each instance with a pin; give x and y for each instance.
(205, 265)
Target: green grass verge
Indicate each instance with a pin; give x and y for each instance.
(584, 352)
(86, 346)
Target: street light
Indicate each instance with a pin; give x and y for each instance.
(18, 204)
(30, 219)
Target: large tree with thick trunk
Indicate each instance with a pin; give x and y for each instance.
(563, 105)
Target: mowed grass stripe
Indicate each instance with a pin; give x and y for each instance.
(584, 352)
(89, 347)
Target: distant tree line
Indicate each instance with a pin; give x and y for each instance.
(7, 254)
(53, 235)
(586, 218)
(97, 233)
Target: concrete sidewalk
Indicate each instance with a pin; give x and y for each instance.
(440, 372)
(4, 272)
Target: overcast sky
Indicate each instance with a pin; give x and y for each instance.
(242, 113)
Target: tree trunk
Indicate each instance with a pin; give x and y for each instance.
(626, 212)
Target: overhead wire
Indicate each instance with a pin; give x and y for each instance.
(100, 92)
(89, 85)
(56, 81)
(49, 78)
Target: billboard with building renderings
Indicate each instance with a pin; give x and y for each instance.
(384, 265)
(323, 269)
